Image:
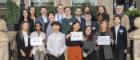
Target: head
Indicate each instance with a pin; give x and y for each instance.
(88, 32)
(104, 26)
(24, 26)
(67, 11)
(43, 10)
(51, 16)
(38, 26)
(117, 20)
(88, 16)
(32, 10)
(75, 26)
(78, 11)
(60, 8)
(99, 17)
(119, 9)
(101, 9)
(56, 26)
(87, 9)
(25, 13)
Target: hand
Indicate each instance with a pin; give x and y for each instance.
(23, 54)
(67, 36)
(84, 54)
(30, 55)
(125, 50)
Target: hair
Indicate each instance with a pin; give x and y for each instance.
(74, 24)
(122, 6)
(43, 7)
(117, 16)
(107, 27)
(105, 11)
(90, 9)
(34, 8)
(90, 37)
(78, 8)
(87, 13)
(22, 17)
(67, 7)
(39, 24)
(51, 13)
(59, 5)
(55, 23)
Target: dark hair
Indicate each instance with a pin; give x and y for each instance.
(87, 13)
(117, 16)
(43, 7)
(90, 37)
(51, 13)
(39, 24)
(86, 7)
(55, 23)
(22, 17)
(67, 7)
(105, 11)
(74, 24)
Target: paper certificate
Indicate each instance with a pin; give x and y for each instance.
(76, 36)
(36, 41)
(103, 40)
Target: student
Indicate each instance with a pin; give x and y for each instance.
(101, 10)
(105, 51)
(56, 43)
(23, 43)
(89, 44)
(88, 21)
(67, 21)
(120, 39)
(60, 13)
(43, 19)
(78, 13)
(48, 26)
(74, 47)
(39, 50)
(119, 10)
(33, 18)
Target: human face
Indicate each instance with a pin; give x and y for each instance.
(56, 28)
(67, 12)
(119, 10)
(103, 25)
(51, 17)
(87, 17)
(76, 27)
(38, 27)
(78, 12)
(88, 30)
(43, 11)
(25, 26)
(117, 21)
(101, 10)
(32, 10)
(25, 13)
(60, 9)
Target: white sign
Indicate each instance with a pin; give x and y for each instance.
(76, 36)
(36, 41)
(103, 40)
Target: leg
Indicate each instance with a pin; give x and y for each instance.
(41, 55)
(62, 57)
(36, 56)
(122, 55)
(51, 57)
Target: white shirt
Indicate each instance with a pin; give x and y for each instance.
(116, 32)
(59, 17)
(41, 47)
(56, 44)
(45, 19)
(25, 36)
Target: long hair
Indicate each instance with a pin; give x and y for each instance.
(107, 26)
(22, 17)
(105, 11)
(88, 37)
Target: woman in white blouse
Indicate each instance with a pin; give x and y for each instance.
(37, 38)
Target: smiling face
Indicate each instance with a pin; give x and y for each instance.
(117, 21)
(25, 13)
(60, 9)
(51, 16)
(78, 12)
(38, 27)
(67, 11)
(25, 27)
(88, 31)
(43, 11)
(32, 10)
(104, 25)
(76, 27)
(119, 9)
(101, 10)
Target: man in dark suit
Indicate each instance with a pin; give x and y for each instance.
(120, 39)
(43, 18)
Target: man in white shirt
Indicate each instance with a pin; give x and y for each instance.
(60, 13)
(56, 43)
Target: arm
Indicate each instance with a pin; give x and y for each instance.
(62, 50)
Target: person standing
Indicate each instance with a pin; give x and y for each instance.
(56, 43)
(74, 47)
(104, 51)
(89, 44)
(23, 43)
(120, 39)
(38, 50)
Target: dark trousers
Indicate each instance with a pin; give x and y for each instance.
(119, 54)
(51, 57)
(92, 56)
(25, 58)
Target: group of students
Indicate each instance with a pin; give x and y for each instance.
(54, 30)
